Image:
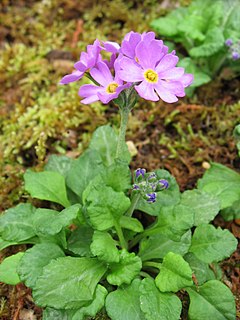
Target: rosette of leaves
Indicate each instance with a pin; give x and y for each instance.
(87, 255)
(202, 29)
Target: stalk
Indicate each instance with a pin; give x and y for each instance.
(124, 112)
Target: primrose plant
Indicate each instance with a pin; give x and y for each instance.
(88, 250)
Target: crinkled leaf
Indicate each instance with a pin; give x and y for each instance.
(204, 205)
(68, 282)
(201, 269)
(8, 269)
(80, 240)
(131, 224)
(232, 212)
(105, 140)
(104, 205)
(213, 42)
(54, 314)
(212, 300)
(34, 259)
(221, 182)
(175, 273)
(51, 222)
(83, 170)
(59, 238)
(158, 305)
(104, 247)
(124, 303)
(60, 164)
(157, 246)
(47, 185)
(94, 307)
(210, 244)
(168, 197)
(117, 176)
(126, 270)
(17, 223)
(173, 222)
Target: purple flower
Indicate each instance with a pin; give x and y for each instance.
(151, 197)
(229, 42)
(140, 172)
(87, 61)
(136, 187)
(155, 71)
(109, 87)
(235, 55)
(163, 184)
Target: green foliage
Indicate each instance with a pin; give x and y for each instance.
(94, 256)
(202, 29)
(208, 301)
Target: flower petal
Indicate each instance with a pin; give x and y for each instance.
(173, 73)
(169, 61)
(102, 74)
(129, 44)
(186, 79)
(76, 75)
(146, 91)
(149, 54)
(165, 94)
(175, 87)
(130, 70)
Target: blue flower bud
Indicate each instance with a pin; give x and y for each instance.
(229, 42)
(163, 183)
(235, 55)
(136, 187)
(140, 172)
(151, 197)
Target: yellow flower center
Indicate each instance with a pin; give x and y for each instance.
(151, 76)
(112, 87)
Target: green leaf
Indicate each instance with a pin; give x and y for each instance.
(168, 197)
(59, 238)
(34, 259)
(105, 140)
(172, 222)
(104, 247)
(8, 269)
(200, 269)
(158, 305)
(83, 170)
(175, 273)
(104, 205)
(51, 222)
(68, 282)
(17, 223)
(204, 205)
(221, 182)
(157, 246)
(232, 212)
(94, 307)
(213, 300)
(210, 244)
(126, 270)
(131, 224)
(54, 314)
(168, 26)
(200, 77)
(60, 164)
(117, 176)
(213, 42)
(124, 303)
(80, 240)
(46, 185)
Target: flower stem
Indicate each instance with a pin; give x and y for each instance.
(134, 203)
(120, 235)
(124, 112)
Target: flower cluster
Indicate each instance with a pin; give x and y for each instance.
(142, 62)
(234, 48)
(148, 183)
